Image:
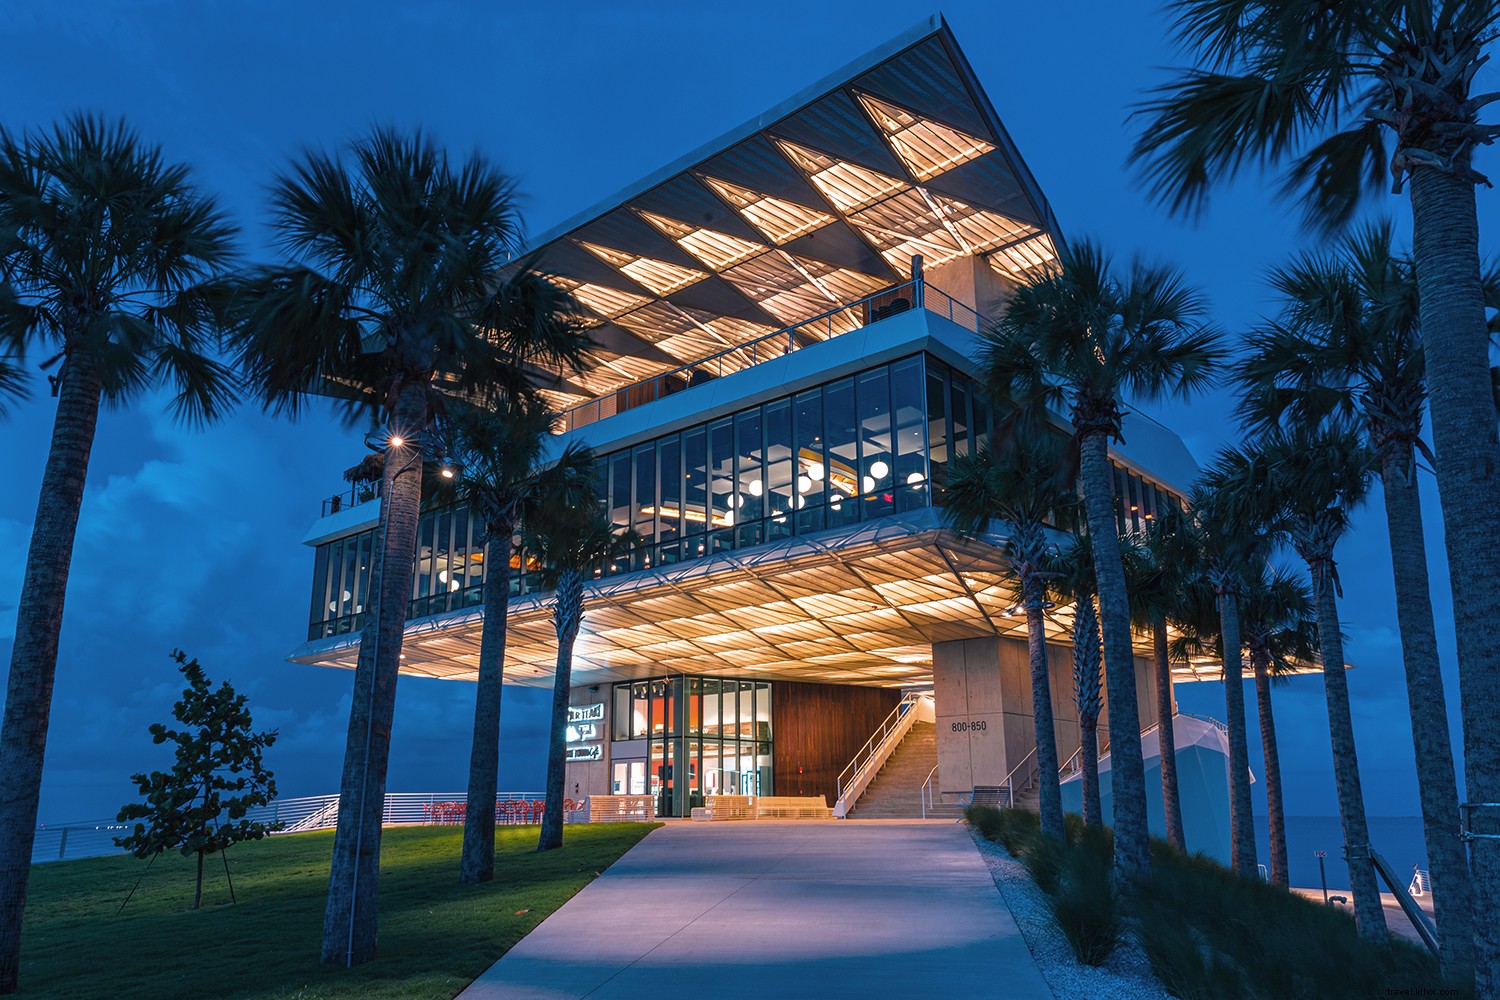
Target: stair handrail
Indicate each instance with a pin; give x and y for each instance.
(1009, 782)
(928, 791)
(867, 762)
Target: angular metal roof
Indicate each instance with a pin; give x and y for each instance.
(811, 207)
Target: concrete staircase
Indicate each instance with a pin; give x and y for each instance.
(896, 792)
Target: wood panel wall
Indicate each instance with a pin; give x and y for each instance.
(817, 728)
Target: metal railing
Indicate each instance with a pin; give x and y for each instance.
(94, 838)
(1010, 779)
(929, 793)
(352, 497)
(871, 757)
(915, 294)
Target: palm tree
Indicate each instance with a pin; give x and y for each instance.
(500, 457)
(1348, 346)
(388, 307)
(1230, 550)
(1073, 578)
(1084, 337)
(1302, 483)
(1024, 485)
(568, 533)
(1325, 88)
(1280, 634)
(105, 248)
(1158, 565)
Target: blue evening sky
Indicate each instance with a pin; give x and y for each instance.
(191, 539)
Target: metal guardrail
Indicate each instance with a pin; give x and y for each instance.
(915, 294)
(928, 792)
(871, 757)
(95, 838)
(352, 497)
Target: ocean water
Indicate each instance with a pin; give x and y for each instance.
(1398, 839)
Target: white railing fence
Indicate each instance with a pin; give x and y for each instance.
(929, 792)
(856, 777)
(93, 838)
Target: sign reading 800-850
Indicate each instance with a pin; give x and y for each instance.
(970, 726)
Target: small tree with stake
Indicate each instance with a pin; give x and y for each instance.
(200, 805)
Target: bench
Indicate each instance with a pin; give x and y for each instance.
(792, 807)
(622, 808)
(725, 807)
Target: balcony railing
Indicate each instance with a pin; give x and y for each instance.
(352, 497)
(915, 294)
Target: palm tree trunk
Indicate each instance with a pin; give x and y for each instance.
(1049, 788)
(1088, 756)
(33, 661)
(1241, 812)
(1165, 709)
(349, 918)
(1369, 915)
(1275, 815)
(477, 863)
(1448, 862)
(1445, 243)
(1127, 777)
(567, 617)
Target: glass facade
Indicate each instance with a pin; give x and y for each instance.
(1138, 501)
(861, 447)
(697, 736)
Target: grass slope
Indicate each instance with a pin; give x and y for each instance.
(435, 935)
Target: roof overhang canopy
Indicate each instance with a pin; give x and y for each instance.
(859, 605)
(810, 208)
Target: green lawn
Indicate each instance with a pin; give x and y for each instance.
(435, 935)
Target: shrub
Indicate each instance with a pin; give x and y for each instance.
(1011, 828)
(1086, 906)
(1044, 858)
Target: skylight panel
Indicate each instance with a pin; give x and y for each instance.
(980, 229)
(926, 147)
(717, 250)
(848, 186)
(661, 277)
(607, 301)
(1025, 256)
(780, 220)
(905, 225)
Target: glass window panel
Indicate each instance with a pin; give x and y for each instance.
(763, 710)
(937, 425)
(843, 452)
(811, 462)
(780, 477)
(910, 465)
(619, 491)
(750, 473)
(645, 494)
(711, 710)
(694, 706)
(640, 709)
(620, 721)
(695, 460)
(319, 610)
(960, 399)
(669, 514)
(746, 728)
(721, 489)
(982, 418)
(366, 563)
(876, 459)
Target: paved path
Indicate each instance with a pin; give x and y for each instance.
(766, 910)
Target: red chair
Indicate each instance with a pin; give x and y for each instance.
(537, 808)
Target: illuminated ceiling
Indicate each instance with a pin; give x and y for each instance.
(861, 605)
(786, 221)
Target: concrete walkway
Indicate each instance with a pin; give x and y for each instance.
(765, 909)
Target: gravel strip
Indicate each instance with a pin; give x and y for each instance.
(1126, 976)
